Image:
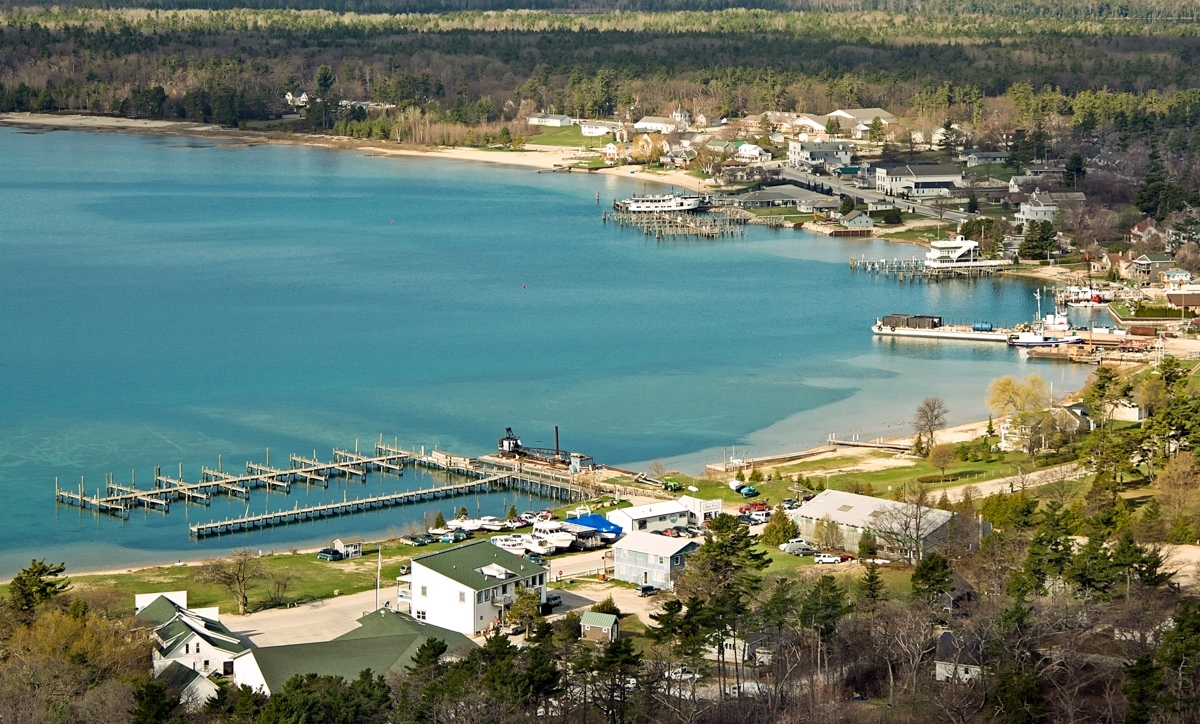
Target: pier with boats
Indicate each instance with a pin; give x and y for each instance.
(957, 257)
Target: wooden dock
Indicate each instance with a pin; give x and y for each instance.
(678, 224)
(484, 475)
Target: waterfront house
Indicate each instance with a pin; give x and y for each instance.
(889, 522)
(603, 627)
(652, 516)
(552, 120)
(349, 547)
(958, 658)
(654, 124)
(1147, 267)
(1073, 419)
(194, 638)
(195, 689)
(469, 587)
(617, 152)
(646, 559)
(857, 220)
(384, 642)
(1174, 279)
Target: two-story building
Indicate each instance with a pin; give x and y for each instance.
(1038, 207)
(647, 559)
(815, 156)
(655, 124)
(918, 180)
(193, 638)
(1148, 267)
(469, 587)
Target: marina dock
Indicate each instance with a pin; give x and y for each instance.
(676, 224)
(486, 474)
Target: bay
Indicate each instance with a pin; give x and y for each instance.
(167, 300)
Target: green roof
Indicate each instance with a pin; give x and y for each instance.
(160, 611)
(177, 676)
(172, 623)
(603, 620)
(462, 564)
(384, 642)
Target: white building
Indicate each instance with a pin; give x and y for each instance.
(1039, 207)
(652, 516)
(917, 180)
(467, 588)
(654, 124)
(646, 559)
(593, 129)
(194, 638)
(548, 119)
(296, 101)
(750, 153)
(958, 659)
(857, 122)
(700, 510)
(888, 521)
(819, 155)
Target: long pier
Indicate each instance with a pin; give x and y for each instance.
(662, 225)
(485, 474)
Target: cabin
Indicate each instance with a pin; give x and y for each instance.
(349, 547)
(603, 627)
(857, 220)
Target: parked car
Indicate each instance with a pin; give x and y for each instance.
(329, 554)
(430, 539)
(793, 544)
(694, 531)
(843, 557)
(753, 506)
(683, 531)
(411, 540)
(405, 569)
(513, 629)
(533, 557)
(645, 591)
(670, 532)
(803, 551)
(553, 599)
(760, 516)
(453, 536)
(745, 519)
(529, 516)
(788, 501)
(748, 492)
(680, 673)
(826, 558)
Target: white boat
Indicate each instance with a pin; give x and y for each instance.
(1037, 339)
(659, 203)
(537, 545)
(439, 531)
(1056, 322)
(964, 333)
(471, 524)
(511, 543)
(455, 524)
(1085, 304)
(491, 522)
(552, 530)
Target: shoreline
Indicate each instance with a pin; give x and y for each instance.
(535, 156)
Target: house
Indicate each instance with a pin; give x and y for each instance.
(194, 638)
(1111, 262)
(652, 516)
(858, 120)
(603, 627)
(681, 118)
(195, 689)
(384, 642)
(1147, 267)
(917, 180)
(469, 587)
(958, 595)
(646, 559)
(755, 648)
(890, 522)
(700, 510)
(858, 220)
(983, 158)
(958, 658)
(654, 124)
(751, 153)
(1174, 279)
(819, 156)
(593, 129)
(548, 119)
(1127, 410)
(1145, 232)
(296, 101)
(1039, 207)
(952, 252)
(781, 195)
(349, 547)
(1184, 300)
(617, 152)
(1075, 418)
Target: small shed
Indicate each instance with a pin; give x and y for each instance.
(600, 626)
(349, 547)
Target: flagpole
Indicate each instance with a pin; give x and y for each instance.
(378, 573)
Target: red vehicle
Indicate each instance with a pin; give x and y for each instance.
(753, 506)
(670, 533)
(845, 557)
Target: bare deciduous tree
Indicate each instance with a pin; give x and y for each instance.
(1176, 484)
(236, 574)
(931, 417)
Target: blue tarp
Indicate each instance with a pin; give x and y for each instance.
(596, 522)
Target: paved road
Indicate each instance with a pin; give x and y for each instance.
(871, 195)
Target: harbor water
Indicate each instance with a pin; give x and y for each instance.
(167, 300)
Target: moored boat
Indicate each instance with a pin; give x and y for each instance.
(1037, 339)
(659, 203)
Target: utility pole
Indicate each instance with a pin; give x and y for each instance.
(378, 573)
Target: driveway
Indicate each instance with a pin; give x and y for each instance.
(321, 620)
(1070, 471)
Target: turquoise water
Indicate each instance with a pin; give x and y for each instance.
(167, 300)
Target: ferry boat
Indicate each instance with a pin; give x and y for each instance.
(659, 203)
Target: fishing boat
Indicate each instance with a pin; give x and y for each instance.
(652, 203)
(537, 544)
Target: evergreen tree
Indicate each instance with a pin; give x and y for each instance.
(1158, 195)
(36, 584)
(1181, 532)
(1092, 569)
(756, 475)
(1074, 170)
(780, 528)
(512, 512)
(439, 520)
(866, 545)
(972, 203)
(847, 205)
(875, 130)
(1143, 682)
(871, 591)
(462, 511)
(823, 606)
(931, 578)
(991, 429)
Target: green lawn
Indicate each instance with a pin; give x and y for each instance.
(921, 233)
(566, 136)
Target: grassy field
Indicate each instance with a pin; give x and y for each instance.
(566, 136)
(922, 233)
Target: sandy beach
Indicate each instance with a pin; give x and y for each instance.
(532, 156)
